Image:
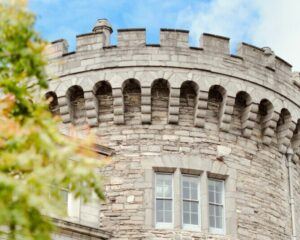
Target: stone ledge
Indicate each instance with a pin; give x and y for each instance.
(81, 229)
(174, 30)
(131, 29)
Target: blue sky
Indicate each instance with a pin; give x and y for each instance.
(65, 19)
(272, 23)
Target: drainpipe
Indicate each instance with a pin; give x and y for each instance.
(290, 154)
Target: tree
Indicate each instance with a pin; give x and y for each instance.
(35, 159)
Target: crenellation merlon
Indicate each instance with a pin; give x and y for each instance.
(282, 65)
(174, 38)
(263, 56)
(215, 43)
(134, 37)
(283, 61)
(251, 53)
(296, 79)
(57, 48)
(89, 41)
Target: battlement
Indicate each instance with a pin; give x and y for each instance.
(132, 38)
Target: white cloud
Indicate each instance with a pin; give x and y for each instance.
(273, 23)
(279, 28)
(232, 18)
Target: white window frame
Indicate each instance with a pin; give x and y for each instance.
(74, 207)
(71, 204)
(161, 225)
(213, 230)
(191, 226)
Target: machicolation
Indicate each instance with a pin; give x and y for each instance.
(180, 115)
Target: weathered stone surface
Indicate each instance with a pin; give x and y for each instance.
(173, 108)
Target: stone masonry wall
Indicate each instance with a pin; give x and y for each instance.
(170, 106)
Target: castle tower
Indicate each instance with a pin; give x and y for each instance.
(205, 144)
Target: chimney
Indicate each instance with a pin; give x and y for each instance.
(103, 26)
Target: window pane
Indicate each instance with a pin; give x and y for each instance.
(194, 219)
(186, 206)
(211, 197)
(64, 195)
(185, 184)
(211, 221)
(194, 185)
(168, 189)
(218, 211)
(211, 210)
(218, 199)
(211, 185)
(168, 216)
(194, 207)
(168, 205)
(219, 223)
(159, 216)
(194, 194)
(186, 193)
(159, 191)
(168, 179)
(186, 218)
(159, 204)
(159, 180)
(219, 186)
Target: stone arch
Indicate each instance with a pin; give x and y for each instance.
(295, 143)
(283, 129)
(160, 92)
(265, 120)
(104, 101)
(283, 122)
(52, 99)
(76, 102)
(132, 101)
(241, 112)
(187, 105)
(215, 106)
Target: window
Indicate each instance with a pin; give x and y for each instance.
(164, 200)
(64, 194)
(190, 202)
(216, 206)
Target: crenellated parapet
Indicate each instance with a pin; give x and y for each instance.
(136, 82)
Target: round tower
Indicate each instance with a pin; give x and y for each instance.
(206, 143)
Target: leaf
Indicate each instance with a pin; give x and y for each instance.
(36, 161)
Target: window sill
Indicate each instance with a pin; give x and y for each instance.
(217, 231)
(190, 227)
(164, 226)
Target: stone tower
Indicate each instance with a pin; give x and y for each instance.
(206, 143)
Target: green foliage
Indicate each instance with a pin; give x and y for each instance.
(35, 159)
